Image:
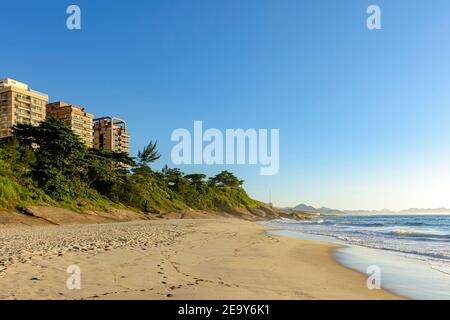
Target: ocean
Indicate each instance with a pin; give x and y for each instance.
(413, 251)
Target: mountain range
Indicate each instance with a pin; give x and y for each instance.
(324, 210)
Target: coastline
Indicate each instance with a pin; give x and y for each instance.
(407, 274)
(176, 259)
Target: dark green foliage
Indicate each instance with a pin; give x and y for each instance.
(226, 178)
(16, 184)
(49, 164)
(148, 155)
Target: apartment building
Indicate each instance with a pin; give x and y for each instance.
(111, 134)
(76, 118)
(19, 104)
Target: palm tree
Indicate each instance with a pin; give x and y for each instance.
(148, 155)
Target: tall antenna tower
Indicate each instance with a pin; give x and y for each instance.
(270, 198)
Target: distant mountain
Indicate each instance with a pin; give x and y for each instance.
(330, 211)
(415, 210)
(370, 211)
(324, 210)
(304, 207)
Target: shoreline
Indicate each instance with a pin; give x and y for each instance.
(405, 275)
(175, 259)
(338, 253)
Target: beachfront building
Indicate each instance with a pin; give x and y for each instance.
(19, 104)
(111, 134)
(76, 118)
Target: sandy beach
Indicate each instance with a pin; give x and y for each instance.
(172, 259)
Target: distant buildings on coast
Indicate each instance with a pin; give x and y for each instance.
(20, 104)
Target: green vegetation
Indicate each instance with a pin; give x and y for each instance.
(49, 165)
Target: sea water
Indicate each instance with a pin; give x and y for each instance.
(412, 251)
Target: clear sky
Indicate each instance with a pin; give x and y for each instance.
(363, 115)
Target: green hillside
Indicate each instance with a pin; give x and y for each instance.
(49, 165)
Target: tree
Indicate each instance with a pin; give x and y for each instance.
(174, 178)
(226, 178)
(64, 167)
(196, 179)
(120, 160)
(197, 183)
(106, 169)
(148, 155)
(17, 160)
(59, 167)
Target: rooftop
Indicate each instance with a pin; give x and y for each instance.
(8, 82)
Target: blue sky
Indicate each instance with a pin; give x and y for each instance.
(363, 115)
